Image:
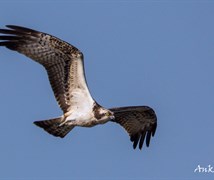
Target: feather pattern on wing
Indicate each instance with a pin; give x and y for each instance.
(65, 67)
(63, 62)
(139, 121)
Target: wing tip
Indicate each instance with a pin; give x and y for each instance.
(139, 139)
(154, 129)
(19, 28)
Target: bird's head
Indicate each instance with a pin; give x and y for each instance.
(108, 114)
(101, 113)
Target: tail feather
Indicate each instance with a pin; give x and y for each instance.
(57, 126)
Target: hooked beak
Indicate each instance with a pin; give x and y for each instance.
(112, 117)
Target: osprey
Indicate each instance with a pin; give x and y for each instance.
(64, 65)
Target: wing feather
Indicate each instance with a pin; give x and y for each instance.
(63, 62)
(139, 121)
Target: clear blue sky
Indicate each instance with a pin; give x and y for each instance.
(156, 53)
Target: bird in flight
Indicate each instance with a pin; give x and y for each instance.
(65, 68)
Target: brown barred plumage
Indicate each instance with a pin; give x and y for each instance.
(65, 67)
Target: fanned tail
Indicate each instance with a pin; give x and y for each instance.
(57, 126)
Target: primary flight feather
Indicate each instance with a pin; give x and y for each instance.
(65, 67)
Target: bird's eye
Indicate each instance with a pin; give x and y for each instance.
(108, 113)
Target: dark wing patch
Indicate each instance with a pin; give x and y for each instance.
(55, 55)
(139, 121)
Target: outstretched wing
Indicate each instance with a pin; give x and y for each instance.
(139, 121)
(63, 62)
